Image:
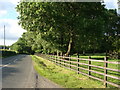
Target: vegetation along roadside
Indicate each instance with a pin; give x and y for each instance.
(62, 76)
(6, 53)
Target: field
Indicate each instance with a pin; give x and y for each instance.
(64, 77)
(110, 65)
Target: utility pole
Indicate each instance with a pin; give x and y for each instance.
(119, 7)
(4, 36)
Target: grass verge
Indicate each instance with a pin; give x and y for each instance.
(64, 77)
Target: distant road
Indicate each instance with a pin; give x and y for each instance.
(18, 72)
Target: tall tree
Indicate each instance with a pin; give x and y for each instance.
(64, 26)
(112, 35)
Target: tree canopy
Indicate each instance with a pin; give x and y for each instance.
(67, 27)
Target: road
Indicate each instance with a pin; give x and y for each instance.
(18, 72)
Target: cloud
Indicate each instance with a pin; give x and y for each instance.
(8, 17)
(7, 42)
(15, 2)
(7, 10)
(3, 12)
(12, 30)
(111, 4)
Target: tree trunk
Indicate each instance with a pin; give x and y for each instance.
(57, 53)
(69, 47)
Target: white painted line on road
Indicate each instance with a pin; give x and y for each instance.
(15, 60)
(5, 65)
(8, 64)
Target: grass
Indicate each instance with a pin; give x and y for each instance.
(64, 77)
(112, 66)
(109, 72)
(98, 56)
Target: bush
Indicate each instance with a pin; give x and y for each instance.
(6, 52)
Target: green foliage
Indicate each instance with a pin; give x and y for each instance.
(112, 37)
(21, 46)
(7, 53)
(58, 22)
(68, 27)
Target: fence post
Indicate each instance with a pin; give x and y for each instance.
(48, 56)
(54, 58)
(63, 61)
(89, 67)
(105, 71)
(70, 61)
(60, 60)
(51, 58)
(78, 63)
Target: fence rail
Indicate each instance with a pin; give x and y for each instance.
(68, 63)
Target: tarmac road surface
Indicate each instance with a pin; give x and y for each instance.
(18, 72)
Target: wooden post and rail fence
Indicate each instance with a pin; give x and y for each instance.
(69, 62)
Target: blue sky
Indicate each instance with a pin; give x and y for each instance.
(8, 17)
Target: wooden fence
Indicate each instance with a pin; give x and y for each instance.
(68, 62)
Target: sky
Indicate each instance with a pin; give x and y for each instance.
(8, 17)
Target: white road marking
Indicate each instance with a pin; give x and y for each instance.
(7, 64)
(15, 60)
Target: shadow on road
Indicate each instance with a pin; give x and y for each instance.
(9, 71)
